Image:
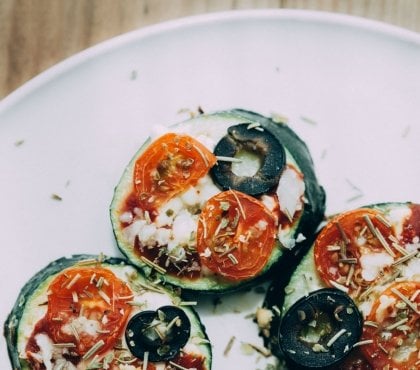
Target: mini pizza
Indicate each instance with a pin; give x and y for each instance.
(214, 203)
(89, 312)
(353, 302)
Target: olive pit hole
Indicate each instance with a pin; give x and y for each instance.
(249, 165)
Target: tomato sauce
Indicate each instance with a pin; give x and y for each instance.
(189, 269)
(355, 361)
(43, 327)
(190, 361)
(411, 227)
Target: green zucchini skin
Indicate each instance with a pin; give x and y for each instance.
(281, 258)
(11, 325)
(284, 291)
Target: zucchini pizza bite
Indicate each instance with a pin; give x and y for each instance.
(215, 202)
(353, 302)
(89, 312)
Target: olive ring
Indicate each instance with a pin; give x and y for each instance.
(161, 333)
(338, 313)
(261, 142)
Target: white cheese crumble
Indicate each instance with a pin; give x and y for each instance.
(396, 216)
(82, 325)
(206, 253)
(176, 223)
(269, 202)
(383, 309)
(46, 349)
(373, 263)
(290, 192)
(286, 241)
(411, 270)
(184, 225)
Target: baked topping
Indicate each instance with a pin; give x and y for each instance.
(355, 250)
(393, 338)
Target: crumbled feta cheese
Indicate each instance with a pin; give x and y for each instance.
(147, 235)
(46, 349)
(82, 325)
(383, 308)
(373, 263)
(269, 202)
(290, 191)
(300, 238)
(184, 224)
(176, 252)
(131, 231)
(365, 307)
(413, 247)
(126, 217)
(286, 241)
(397, 216)
(163, 236)
(206, 190)
(190, 197)
(168, 212)
(206, 253)
(411, 270)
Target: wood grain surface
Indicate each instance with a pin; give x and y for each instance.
(36, 34)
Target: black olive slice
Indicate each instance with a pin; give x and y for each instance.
(161, 333)
(264, 144)
(320, 329)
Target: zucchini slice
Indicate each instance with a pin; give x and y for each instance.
(163, 204)
(371, 254)
(74, 313)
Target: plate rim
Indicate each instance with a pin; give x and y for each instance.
(102, 47)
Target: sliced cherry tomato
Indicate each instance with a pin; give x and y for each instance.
(396, 339)
(341, 244)
(86, 306)
(235, 235)
(168, 166)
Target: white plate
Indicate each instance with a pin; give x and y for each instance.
(351, 89)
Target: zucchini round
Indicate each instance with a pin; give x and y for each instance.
(381, 265)
(294, 229)
(30, 340)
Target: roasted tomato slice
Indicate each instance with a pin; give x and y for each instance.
(354, 250)
(168, 166)
(88, 306)
(411, 228)
(394, 328)
(235, 235)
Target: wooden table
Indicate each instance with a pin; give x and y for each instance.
(36, 34)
